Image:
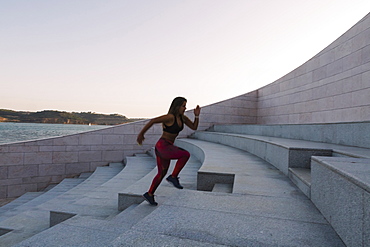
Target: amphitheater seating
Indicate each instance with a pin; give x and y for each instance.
(340, 183)
(230, 176)
(33, 216)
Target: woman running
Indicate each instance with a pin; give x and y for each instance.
(172, 123)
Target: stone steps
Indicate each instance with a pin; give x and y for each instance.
(268, 211)
(291, 156)
(35, 217)
(90, 231)
(133, 194)
(102, 200)
(33, 199)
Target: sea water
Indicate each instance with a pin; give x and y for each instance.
(18, 132)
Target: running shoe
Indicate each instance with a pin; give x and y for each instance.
(174, 181)
(150, 199)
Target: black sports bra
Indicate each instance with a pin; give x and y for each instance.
(174, 128)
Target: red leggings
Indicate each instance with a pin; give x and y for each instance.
(165, 151)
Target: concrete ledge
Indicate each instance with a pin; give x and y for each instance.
(301, 177)
(227, 165)
(281, 153)
(223, 188)
(334, 133)
(206, 181)
(341, 191)
(4, 231)
(125, 200)
(58, 217)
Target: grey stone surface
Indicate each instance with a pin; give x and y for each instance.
(69, 235)
(133, 193)
(223, 188)
(35, 215)
(301, 177)
(248, 174)
(351, 134)
(366, 238)
(89, 231)
(355, 170)
(340, 200)
(137, 238)
(265, 209)
(234, 229)
(27, 204)
(281, 152)
(58, 217)
(207, 180)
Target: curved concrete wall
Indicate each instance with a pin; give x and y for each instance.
(333, 86)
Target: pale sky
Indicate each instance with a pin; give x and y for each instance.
(133, 57)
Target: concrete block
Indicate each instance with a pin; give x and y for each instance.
(22, 148)
(3, 192)
(4, 148)
(278, 156)
(125, 200)
(4, 231)
(112, 139)
(339, 199)
(65, 157)
(365, 54)
(76, 148)
(58, 217)
(112, 155)
(301, 158)
(3, 172)
(90, 139)
(222, 188)
(11, 159)
(11, 181)
(71, 140)
(19, 189)
(77, 168)
(366, 235)
(207, 180)
(301, 177)
(88, 156)
(37, 158)
(22, 171)
(352, 60)
(51, 169)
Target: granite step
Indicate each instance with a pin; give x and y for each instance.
(33, 199)
(133, 194)
(90, 231)
(301, 177)
(36, 217)
(102, 201)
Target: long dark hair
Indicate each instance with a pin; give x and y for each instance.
(175, 105)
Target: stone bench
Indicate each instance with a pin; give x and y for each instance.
(340, 189)
(243, 172)
(291, 156)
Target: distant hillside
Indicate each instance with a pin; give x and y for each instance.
(63, 117)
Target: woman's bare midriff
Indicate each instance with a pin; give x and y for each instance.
(169, 136)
